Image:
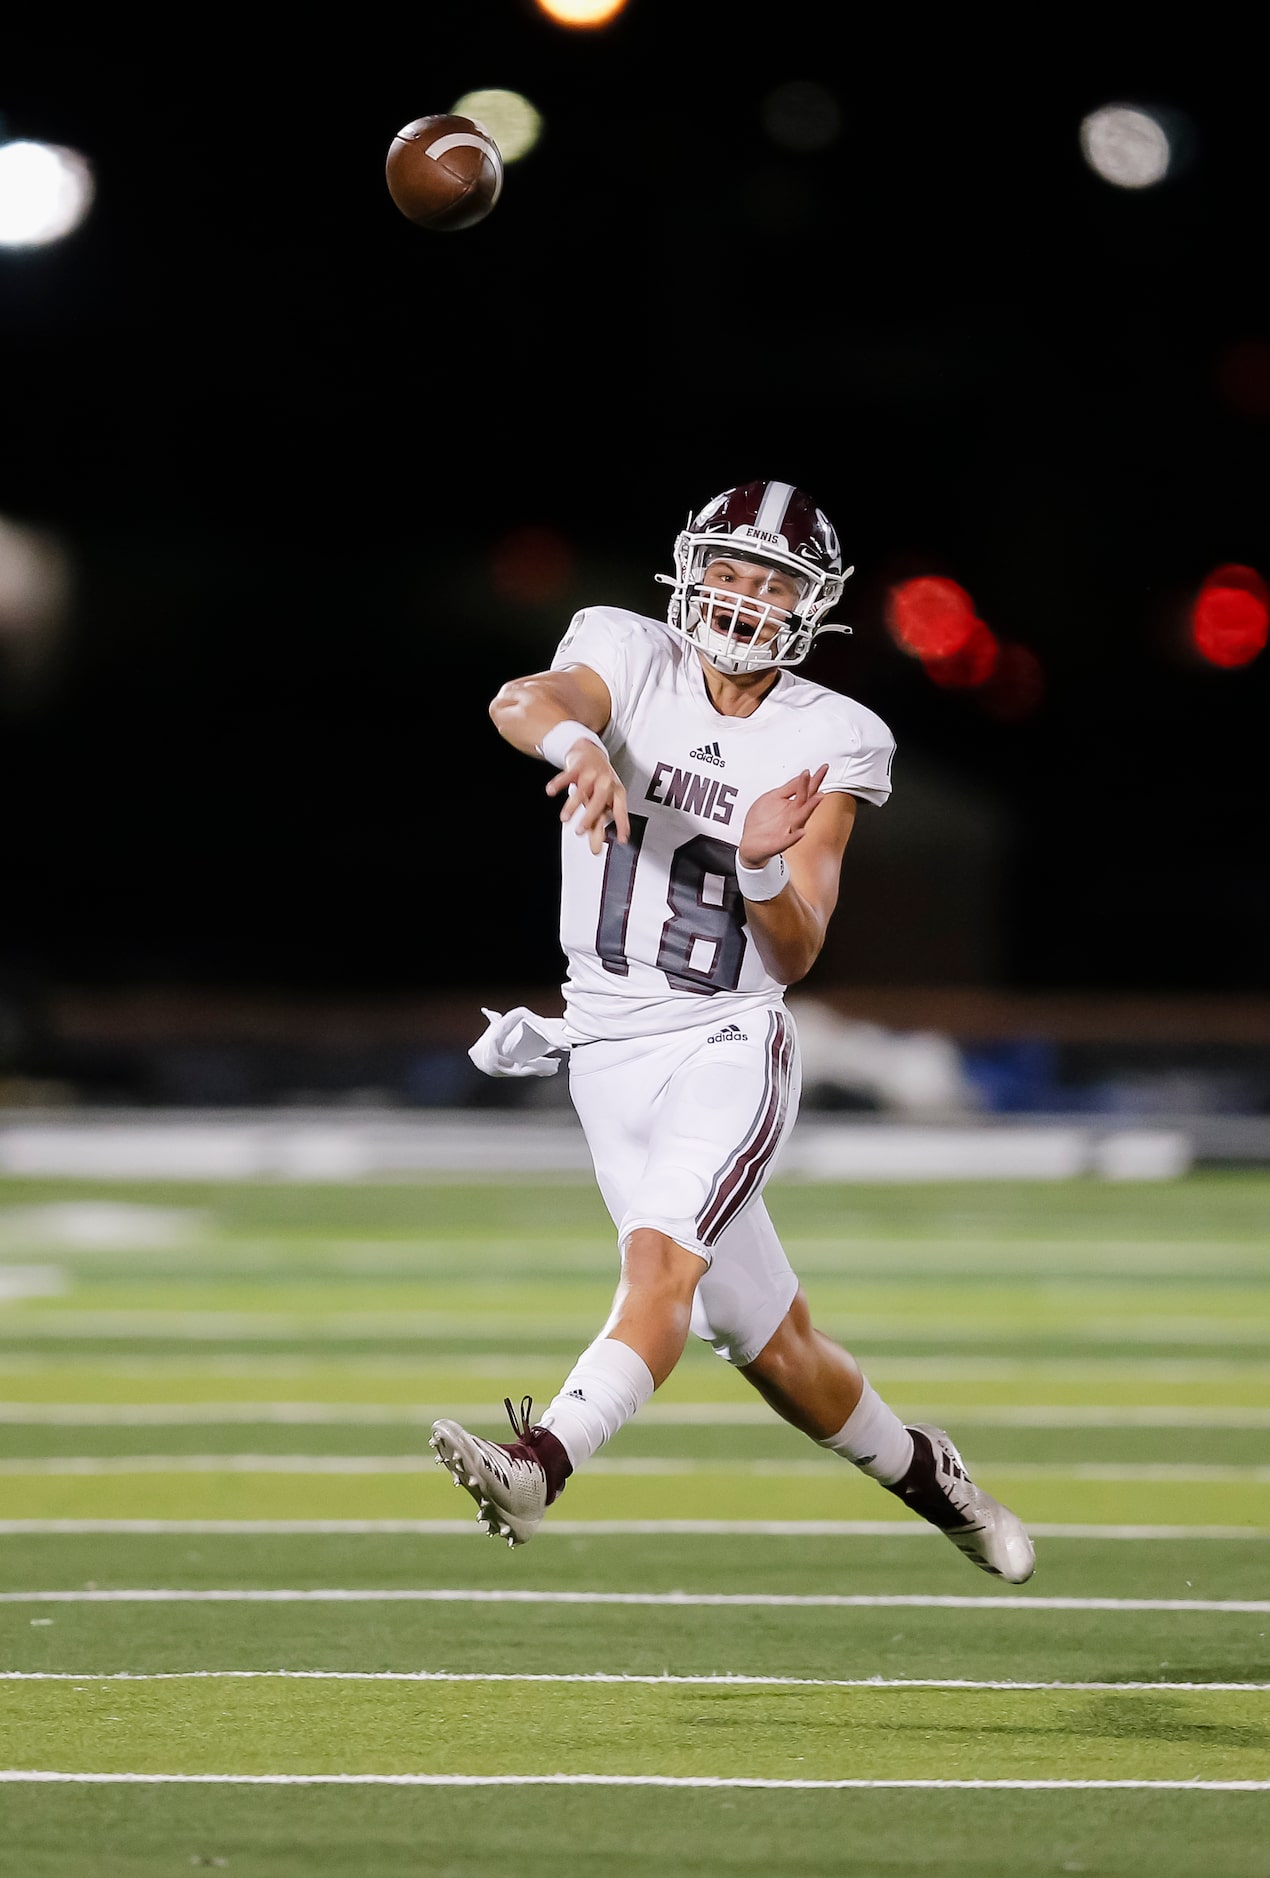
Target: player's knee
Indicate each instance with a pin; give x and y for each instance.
(791, 1351)
(653, 1262)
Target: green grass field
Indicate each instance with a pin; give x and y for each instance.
(246, 1622)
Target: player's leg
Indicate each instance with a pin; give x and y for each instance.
(707, 1109)
(652, 1307)
(621, 1094)
(751, 1308)
(817, 1386)
(514, 1482)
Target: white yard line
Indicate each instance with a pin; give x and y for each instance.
(649, 1467)
(1059, 1415)
(728, 1600)
(897, 1528)
(1092, 1258)
(664, 1414)
(175, 1326)
(194, 1326)
(498, 1365)
(299, 1414)
(1196, 1472)
(605, 1676)
(90, 1464)
(19, 1775)
(1085, 1368)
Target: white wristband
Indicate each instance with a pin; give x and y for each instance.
(560, 739)
(762, 883)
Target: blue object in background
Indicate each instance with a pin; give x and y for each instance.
(1016, 1077)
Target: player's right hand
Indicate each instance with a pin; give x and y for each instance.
(595, 795)
(778, 820)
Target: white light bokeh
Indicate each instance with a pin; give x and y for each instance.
(34, 579)
(35, 594)
(45, 193)
(1125, 146)
(801, 115)
(581, 12)
(509, 118)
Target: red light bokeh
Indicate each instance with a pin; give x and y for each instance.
(1230, 620)
(1016, 686)
(972, 664)
(930, 617)
(1243, 377)
(532, 566)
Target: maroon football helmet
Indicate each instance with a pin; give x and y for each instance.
(780, 527)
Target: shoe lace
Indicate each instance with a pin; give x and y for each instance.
(521, 1425)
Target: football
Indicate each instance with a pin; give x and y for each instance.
(444, 172)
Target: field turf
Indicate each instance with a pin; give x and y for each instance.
(245, 1622)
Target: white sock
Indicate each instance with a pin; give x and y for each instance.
(605, 1387)
(875, 1439)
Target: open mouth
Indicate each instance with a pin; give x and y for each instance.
(742, 620)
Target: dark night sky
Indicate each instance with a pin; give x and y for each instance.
(284, 433)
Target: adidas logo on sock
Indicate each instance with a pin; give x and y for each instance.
(709, 753)
(731, 1033)
(577, 1395)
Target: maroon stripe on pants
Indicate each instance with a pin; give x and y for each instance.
(740, 1180)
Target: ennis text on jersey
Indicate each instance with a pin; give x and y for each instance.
(652, 928)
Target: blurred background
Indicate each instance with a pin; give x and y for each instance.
(289, 486)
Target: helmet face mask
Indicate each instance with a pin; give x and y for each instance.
(779, 527)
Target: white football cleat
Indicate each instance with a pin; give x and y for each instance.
(513, 1483)
(938, 1487)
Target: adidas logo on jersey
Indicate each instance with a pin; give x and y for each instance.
(731, 1033)
(708, 753)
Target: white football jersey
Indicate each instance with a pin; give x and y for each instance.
(654, 931)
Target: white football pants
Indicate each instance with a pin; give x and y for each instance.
(684, 1129)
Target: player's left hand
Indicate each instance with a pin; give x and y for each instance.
(778, 820)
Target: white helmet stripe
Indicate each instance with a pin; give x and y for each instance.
(771, 510)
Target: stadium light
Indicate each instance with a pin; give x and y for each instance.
(1230, 618)
(934, 620)
(1126, 146)
(45, 193)
(581, 12)
(930, 617)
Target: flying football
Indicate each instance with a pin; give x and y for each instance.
(444, 172)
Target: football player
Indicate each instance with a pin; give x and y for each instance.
(708, 794)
